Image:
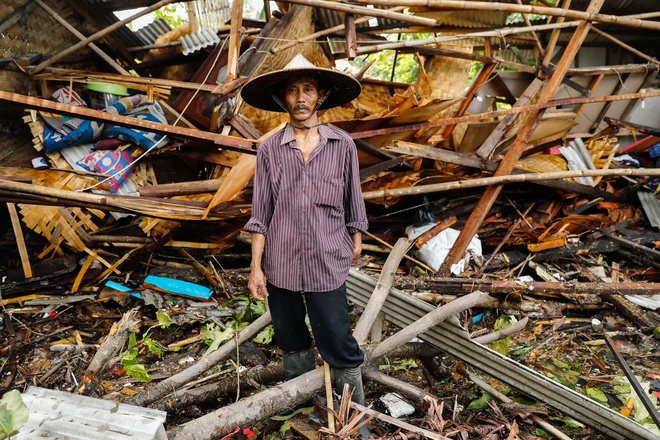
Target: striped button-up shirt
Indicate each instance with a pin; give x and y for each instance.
(307, 211)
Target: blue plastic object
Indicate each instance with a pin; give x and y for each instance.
(175, 287)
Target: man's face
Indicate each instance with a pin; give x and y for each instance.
(301, 96)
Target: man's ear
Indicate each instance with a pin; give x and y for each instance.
(321, 93)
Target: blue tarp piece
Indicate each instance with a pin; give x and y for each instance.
(171, 285)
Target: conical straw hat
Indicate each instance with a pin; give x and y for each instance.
(258, 91)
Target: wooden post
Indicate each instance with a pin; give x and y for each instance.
(81, 37)
(20, 241)
(267, 9)
(536, 37)
(554, 37)
(617, 89)
(516, 150)
(234, 40)
(192, 17)
(351, 37)
(482, 76)
(328, 396)
(489, 145)
(96, 36)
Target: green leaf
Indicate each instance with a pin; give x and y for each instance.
(258, 308)
(214, 336)
(163, 318)
(265, 336)
(285, 427)
(480, 403)
(541, 433)
(404, 365)
(130, 356)
(502, 346)
(137, 371)
(569, 423)
(596, 394)
(504, 321)
(153, 346)
(560, 364)
(13, 413)
(132, 340)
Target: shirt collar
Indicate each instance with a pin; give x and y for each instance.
(324, 131)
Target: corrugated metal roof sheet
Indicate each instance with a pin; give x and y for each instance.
(199, 40)
(152, 31)
(651, 206)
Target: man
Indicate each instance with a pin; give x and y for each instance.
(307, 218)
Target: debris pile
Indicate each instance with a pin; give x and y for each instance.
(509, 282)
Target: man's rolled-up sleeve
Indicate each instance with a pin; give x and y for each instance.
(262, 196)
(355, 212)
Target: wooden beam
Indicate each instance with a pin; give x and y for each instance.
(537, 42)
(228, 142)
(81, 37)
(497, 181)
(102, 33)
(461, 5)
(325, 32)
(85, 77)
(418, 150)
(438, 51)
(481, 77)
(234, 40)
(648, 79)
(524, 134)
(15, 16)
(505, 112)
(628, 47)
(111, 39)
(192, 17)
(351, 36)
(362, 10)
(20, 241)
(606, 108)
(554, 37)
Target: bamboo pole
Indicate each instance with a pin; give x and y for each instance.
(20, 241)
(625, 46)
(325, 32)
(461, 5)
(501, 33)
(382, 289)
(496, 114)
(53, 73)
(362, 10)
(498, 180)
(55, 58)
(80, 36)
(328, 395)
(539, 47)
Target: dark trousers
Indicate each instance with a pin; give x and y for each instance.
(328, 316)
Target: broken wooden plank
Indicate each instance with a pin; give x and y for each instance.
(228, 142)
(511, 158)
(20, 241)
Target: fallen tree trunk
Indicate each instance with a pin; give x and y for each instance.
(172, 383)
(383, 287)
(426, 322)
(253, 409)
(492, 337)
(209, 393)
(110, 347)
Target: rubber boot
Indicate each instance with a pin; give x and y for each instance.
(352, 377)
(296, 363)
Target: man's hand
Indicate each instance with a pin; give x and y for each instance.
(257, 285)
(357, 247)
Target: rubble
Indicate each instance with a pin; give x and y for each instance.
(511, 190)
